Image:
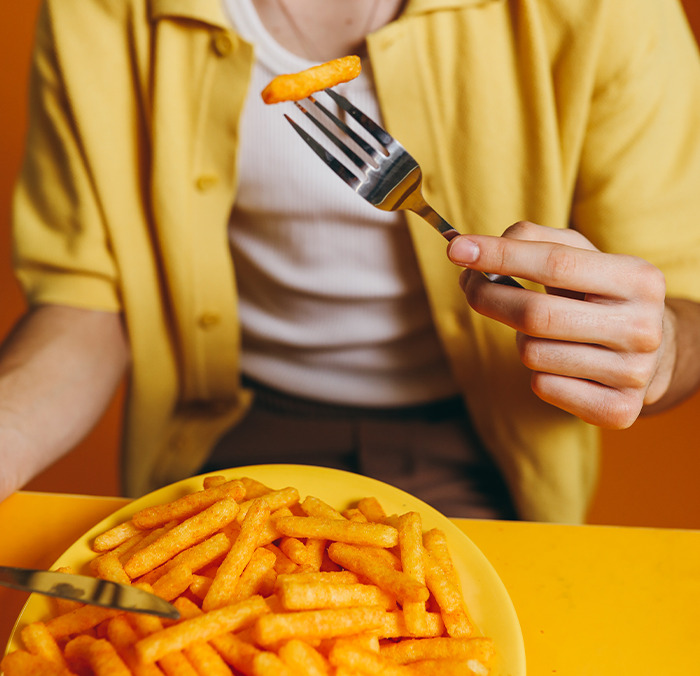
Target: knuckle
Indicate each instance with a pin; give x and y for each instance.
(536, 318)
(474, 292)
(644, 279)
(646, 333)
(521, 230)
(561, 265)
(637, 373)
(529, 351)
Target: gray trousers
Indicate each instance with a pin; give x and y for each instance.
(430, 451)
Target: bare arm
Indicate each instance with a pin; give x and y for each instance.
(59, 368)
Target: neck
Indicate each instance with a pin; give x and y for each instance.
(320, 30)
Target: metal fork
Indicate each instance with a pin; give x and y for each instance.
(390, 181)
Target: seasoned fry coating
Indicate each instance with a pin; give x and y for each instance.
(394, 582)
(297, 86)
(187, 505)
(201, 628)
(182, 536)
(372, 534)
(440, 648)
(267, 585)
(231, 568)
(273, 628)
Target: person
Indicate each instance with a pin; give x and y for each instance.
(171, 227)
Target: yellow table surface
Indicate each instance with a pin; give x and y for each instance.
(592, 600)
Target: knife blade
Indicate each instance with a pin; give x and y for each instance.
(89, 590)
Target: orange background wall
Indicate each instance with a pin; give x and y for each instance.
(651, 472)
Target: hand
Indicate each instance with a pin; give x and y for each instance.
(600, 343)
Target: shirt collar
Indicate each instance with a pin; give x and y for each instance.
(205, 11)
(422, 6)
(211, 11)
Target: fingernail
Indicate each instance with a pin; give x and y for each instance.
(463, 250)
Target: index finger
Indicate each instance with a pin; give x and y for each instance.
(552, 264)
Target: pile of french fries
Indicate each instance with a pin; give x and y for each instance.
(267, 584)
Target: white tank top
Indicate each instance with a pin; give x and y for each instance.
(331, 303)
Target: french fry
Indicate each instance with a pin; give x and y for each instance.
(372, 510)
(109, 567)
(441, 648)
(79, 620)
(283, 563)
(236, 652)
(304, 658)
(123, 637)
(365, 662)
(254, 575)
(127, 549)
(397, 583)
(213, 480)
(274, 628)
(371, 534)
(330, 577)
(254, 488)
(184, 535)
(394, 625)
(285, 497)
(114, 536)
(312, 506)
(173, 583)
(269, 664)
(195, 557)
(411, 550)
(23, 663)
(187, 505)
(39, 641)
(77, 652)
(297, 86)
(200, 586)
(269, 533)
(226, 579)
(315, 552)
(105, 661)
(354, 514)
(202, 628)
(315, 595)
(205, 660)
(449, 668)
(295, 550)
(366, 641)
(449, 599)
(435, 542)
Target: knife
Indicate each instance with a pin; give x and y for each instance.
(85, 589)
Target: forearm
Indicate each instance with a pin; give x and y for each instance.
(58, 371)
(679, 369)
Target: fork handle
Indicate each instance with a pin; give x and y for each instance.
(429, 214)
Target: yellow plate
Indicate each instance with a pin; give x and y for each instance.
(487, 599)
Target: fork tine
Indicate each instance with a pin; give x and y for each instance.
(353, 157)
(366, 147)
(383, 136)
(338, 167)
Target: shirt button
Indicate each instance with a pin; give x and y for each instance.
(222, 43)
(206, 182)
(208, 320)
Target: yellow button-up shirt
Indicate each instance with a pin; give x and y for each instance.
(568, 113)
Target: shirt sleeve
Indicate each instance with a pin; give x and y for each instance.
(62, 253)
(638, 190)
